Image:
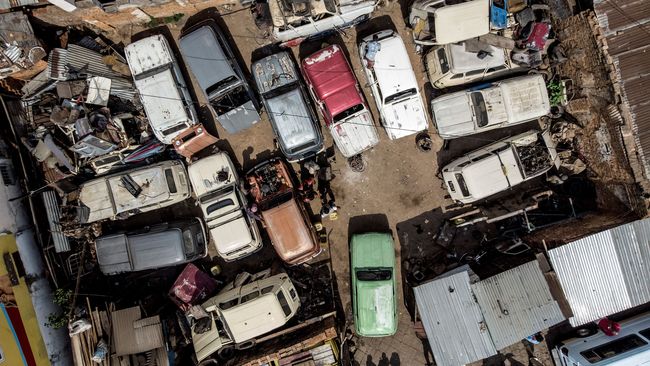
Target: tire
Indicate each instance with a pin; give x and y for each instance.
(226, 352)
(586, 331)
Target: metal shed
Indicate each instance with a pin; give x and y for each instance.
(606, 272)
(453, 321)
(516, 304)
(467, 322)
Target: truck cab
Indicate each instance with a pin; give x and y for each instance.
(499, 166)
(240, 313)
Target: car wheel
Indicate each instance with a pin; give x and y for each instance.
(226, 352)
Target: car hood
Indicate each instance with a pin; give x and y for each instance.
(355, 134)
(375, 313)
(232, 235)
(404, 117)
(240, 118)
(293, 122)
(289, 233)
(453, 115)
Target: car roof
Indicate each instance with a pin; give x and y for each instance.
(393, 68)
(162, 100)
(458, 22)
(146, 251)
(147, 54)
(289, 233)
(205, 56)
(372, 250)
(332, 80)
(203, 173)
(292, 119)
(463, 61)
(274, 71)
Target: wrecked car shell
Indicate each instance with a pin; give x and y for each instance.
(309, 18)
(193, 140)
(217, 72)
(160, 185)
(287, 222)
(164, 95)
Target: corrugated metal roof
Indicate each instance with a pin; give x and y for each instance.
(61, 243)
(453, 320)
(606, 272)
(56, 68)
(8, 4)
(516, 304)
(626, 27)
(134, 335)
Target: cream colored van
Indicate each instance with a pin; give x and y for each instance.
(242, 312)
(455, 64)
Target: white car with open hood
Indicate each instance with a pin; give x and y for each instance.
(394, 86)
(216, 185)
(501, 104)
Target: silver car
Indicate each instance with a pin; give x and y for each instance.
(292, 118)
(211, 60)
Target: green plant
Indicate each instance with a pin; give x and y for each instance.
(555, 92)
(154, 22)
(62, 298)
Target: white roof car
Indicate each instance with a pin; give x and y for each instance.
(436, 22)
(501, 104)
(161, 87)
(499, 166)
(394, 86)
(133, 191)
(453, 64)
(216, 184)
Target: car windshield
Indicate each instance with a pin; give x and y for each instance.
(400, 95)
(280, 90)
(231, 100)
(228, 202)
(276, 200)
(192, 240)
(212, 195)
(480, 111)
(374, 274)
(348, 112)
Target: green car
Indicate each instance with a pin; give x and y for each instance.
(374, 299)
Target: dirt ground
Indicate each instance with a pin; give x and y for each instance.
(399, 188)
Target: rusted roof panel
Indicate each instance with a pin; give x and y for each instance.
(622, 13)
(626, 27)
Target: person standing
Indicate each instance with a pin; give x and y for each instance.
(372, 48)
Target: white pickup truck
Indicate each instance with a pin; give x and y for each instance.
(499, 166)
(501, 104)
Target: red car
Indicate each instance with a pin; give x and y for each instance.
(337, 94)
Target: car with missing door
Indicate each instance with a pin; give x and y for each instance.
(210, 58)
(334, 87)
(394, 86)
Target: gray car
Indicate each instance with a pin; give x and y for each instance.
(292, 118)
(158, 246)
(213, 64)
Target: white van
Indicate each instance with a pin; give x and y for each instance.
(161, 87)
(501, 104)
(241, 313)
(499, 166)
(631, 347)
(453, 64)
(133, 191)
(443, 21)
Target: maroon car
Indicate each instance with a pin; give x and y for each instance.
(337, 94)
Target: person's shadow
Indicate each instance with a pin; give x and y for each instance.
(369, 361)
(394, 359)
(383, 361)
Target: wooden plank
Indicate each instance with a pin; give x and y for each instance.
(76, 351)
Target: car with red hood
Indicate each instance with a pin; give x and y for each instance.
(337, 94)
